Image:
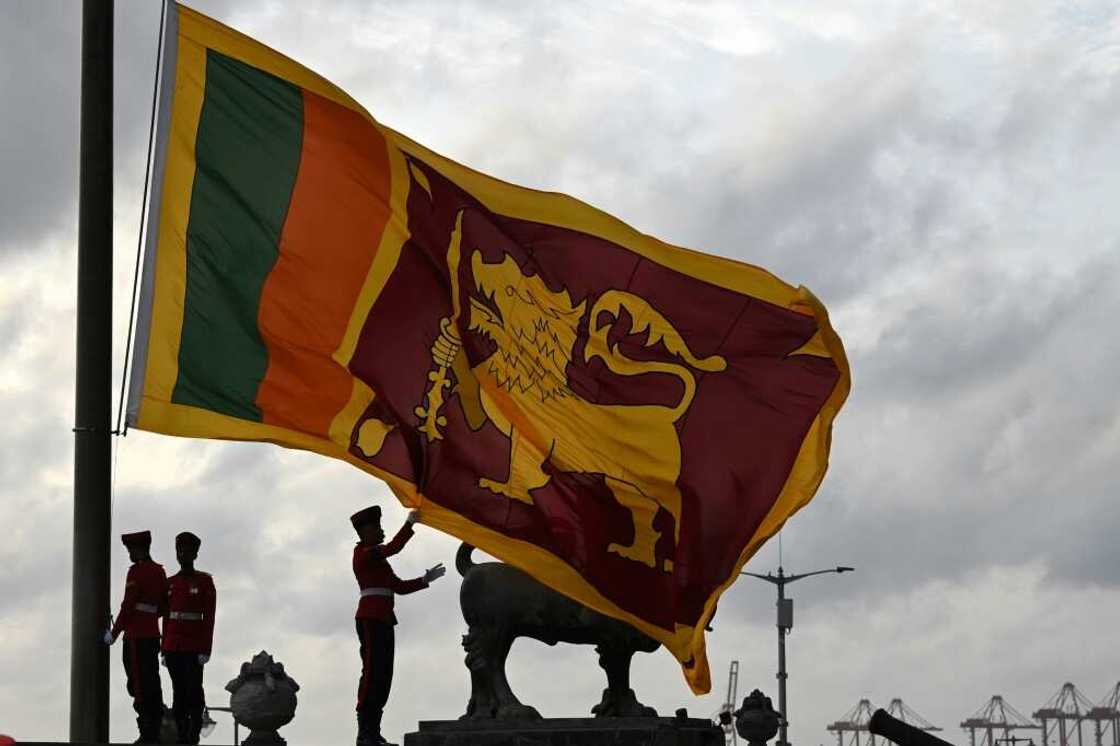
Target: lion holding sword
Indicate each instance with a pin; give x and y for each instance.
(522, 388)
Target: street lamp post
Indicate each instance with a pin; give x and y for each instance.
(785, 623)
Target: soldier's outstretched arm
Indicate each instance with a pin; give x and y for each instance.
(397, 543)
(404, 587)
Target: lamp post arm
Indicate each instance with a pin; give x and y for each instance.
(791, 578)
(783, 579)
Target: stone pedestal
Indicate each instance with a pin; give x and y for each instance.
(567, 732)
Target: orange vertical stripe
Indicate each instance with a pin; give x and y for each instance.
(339, 208)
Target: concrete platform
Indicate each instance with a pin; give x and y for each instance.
(567, 732)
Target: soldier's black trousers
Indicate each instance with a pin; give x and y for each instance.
(141, 669)
(376, 642)
(188, 699)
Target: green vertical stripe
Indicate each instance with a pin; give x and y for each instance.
(247, 154)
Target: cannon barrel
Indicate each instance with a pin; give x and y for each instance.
(903, 734)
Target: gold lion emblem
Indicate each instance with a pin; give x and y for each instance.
(522, 388)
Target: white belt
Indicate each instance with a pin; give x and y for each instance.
(149, 608)
(388, 592)
(187, 616)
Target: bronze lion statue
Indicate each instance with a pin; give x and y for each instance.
(501, 603)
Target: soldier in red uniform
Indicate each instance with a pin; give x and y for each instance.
(144, 592)
(188, 635)
(375, 619)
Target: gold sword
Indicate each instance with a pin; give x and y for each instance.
(445, 347)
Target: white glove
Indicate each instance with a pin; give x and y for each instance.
(433, 573)
(163, 660)
(203, 658)
(413, 517)
(108, 637)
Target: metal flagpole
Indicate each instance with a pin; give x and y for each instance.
(89, 656)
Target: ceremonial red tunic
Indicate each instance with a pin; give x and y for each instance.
(144, 591)
(378, 582)
(189, 624)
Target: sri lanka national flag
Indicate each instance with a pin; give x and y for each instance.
(626, 420)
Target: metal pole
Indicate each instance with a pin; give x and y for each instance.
(785, 623)
(89, 603)
(782, 676)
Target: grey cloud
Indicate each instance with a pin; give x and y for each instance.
(944, 185)
(989, 325)
(38, 139)
(37, 550)
(40, 77)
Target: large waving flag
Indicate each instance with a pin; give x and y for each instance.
(626, 420)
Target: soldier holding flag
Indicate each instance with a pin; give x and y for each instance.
(374, 619)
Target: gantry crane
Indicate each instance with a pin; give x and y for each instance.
(898, 709)
(1067, 706)
(1106, 719)
(854, 722)
(856, 719)
(995, 716)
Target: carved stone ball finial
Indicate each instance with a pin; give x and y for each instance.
(756, 720)
(263, 699)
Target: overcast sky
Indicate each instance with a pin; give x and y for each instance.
(943, 175)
